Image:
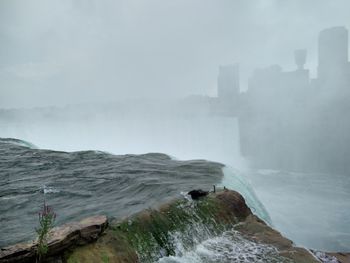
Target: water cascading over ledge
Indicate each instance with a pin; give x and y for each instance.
(216, 228)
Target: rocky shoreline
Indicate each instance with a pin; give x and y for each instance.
(145, 237)
(61, 239)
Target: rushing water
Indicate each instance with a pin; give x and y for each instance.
(227, 247)
(204, 242)
(81, 184)
(311, 209)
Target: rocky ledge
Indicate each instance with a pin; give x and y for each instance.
(148, 236)
(341, 257)
(332, 257)
(60, 239)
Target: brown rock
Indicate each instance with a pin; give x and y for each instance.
(108, 248)
(253, 228)
(234, 203)
(342, 257)
(60, 238)
(92, 227)
(17, 252)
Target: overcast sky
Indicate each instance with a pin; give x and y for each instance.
(58, 52)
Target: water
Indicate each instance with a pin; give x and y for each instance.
(211, 138)
(227, 247)
(234, 180)
(311, 209)
(80, 184)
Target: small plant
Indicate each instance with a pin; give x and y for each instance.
(46, 222)
(105, 258)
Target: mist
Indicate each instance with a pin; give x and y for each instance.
(68, 52)
(145, 69)
(135, 127)
(260, 86)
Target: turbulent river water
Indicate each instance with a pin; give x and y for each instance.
(81, 184)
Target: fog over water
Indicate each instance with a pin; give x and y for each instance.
(134, 77)
(183, 137)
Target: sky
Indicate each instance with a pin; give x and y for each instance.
(61, 52)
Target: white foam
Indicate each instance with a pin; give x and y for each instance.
(228, 247)
(50, 190)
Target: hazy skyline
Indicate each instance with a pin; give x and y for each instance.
(64, 52)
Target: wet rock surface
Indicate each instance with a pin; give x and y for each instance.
(342, 257)
(60, 239)
(218, 221)
(196, 194)
(227, 208)
(332, 257)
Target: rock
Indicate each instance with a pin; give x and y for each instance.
(342, 257)
(225, 207)
(257, 230)
(324, 257)
(117, 244)
(332, 257)
(234, 202)
(92, 227)
(196, 194)
(60, 238)
(108, 248)
(18, 253)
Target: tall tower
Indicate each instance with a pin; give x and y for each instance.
(333, 54)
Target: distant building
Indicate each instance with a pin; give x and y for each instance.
(289, 122)
(297, 81)
(333, 58)
(272, 84)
